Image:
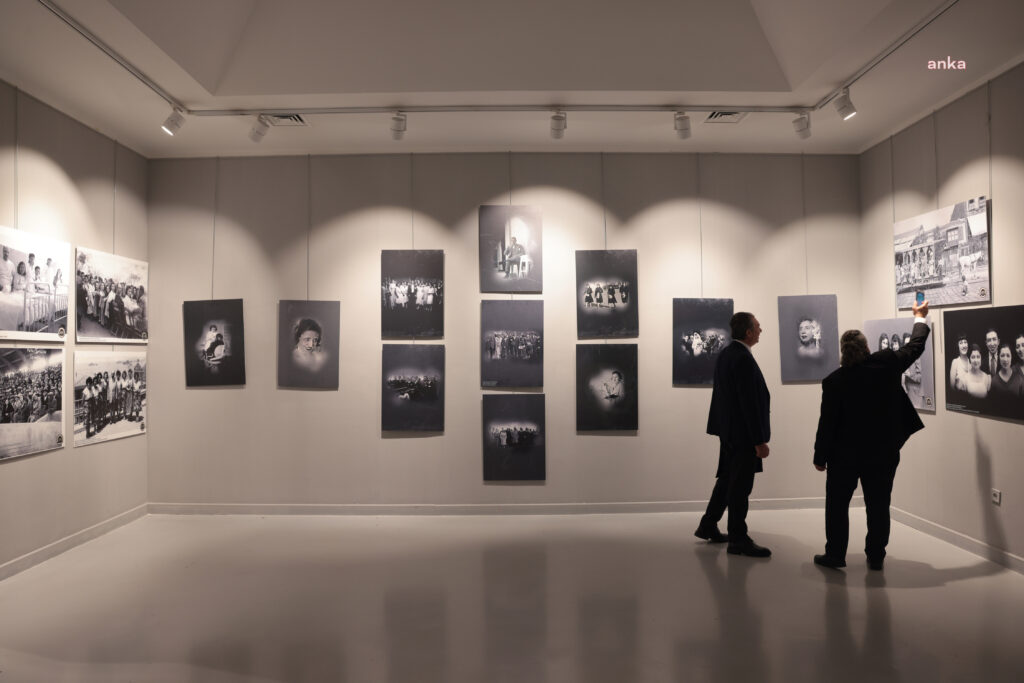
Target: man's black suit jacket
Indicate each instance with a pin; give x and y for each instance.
(864, 408)
(740, 404)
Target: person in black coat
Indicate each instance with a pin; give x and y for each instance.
(866, 417)
(739, 418)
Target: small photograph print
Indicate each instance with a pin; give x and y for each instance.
(513, 437)
(606, 294)
(919, 379)
(110, 395)
(412, 293)
(110, 298)
(214, 343)
(510, 249)
(700, 330)
(945, 254)
(808, 337)
(412, 388)
(512, 343)
(34, 289)
(606, 387)
(985, 351)
(308, 335)
(31, 406)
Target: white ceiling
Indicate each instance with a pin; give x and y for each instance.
(259, 54)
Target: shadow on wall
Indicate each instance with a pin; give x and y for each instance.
(994, 535)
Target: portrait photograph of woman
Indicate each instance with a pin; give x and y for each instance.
(307, 344)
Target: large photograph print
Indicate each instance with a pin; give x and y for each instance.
(919, 379)
(34, 290)
(512, 343)
(985, 352)
(945, 254)
(412, 388)
(110, 298)
(510, 249)
(513, 426)
(808, 336)
(110, 395)
(606, 294)
(307, 344)
(31, 414)
(606, 387)
(214, 343)
(700, 330)
(412, 293)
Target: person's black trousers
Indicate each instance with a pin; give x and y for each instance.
(736, 469)
(876, 474)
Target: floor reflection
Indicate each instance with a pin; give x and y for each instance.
(515, 603)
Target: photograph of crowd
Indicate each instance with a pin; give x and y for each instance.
(33, 286)
(31, 413)
(110, 395)
(412, 387)
(512, 343)
(919, 379)
(700, 330)
(214, 343)
(606, 294)
(307, 344)
(513, 437)
(412, 293)
(985, 350)
(808, 337)
(606, 387)
(945, 254)
(111, 304)
(510, 249)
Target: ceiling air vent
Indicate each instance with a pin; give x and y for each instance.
(286, 120)
(725, 117)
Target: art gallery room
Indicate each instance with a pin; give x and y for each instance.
(473, 322)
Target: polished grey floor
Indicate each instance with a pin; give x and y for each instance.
(524, 599)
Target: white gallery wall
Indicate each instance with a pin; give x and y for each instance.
(64, 181)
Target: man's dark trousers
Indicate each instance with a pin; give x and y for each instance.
(876, 476)
(732, 489)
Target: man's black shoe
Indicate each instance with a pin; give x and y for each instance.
(830, 562)
(710, 533)
(748, 548)
(875, 564)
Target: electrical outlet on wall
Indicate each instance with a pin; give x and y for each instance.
(997, 497)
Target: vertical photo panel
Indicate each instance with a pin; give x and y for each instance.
(808, 337)
(919, 379)
(511, 343)
(31, 401)
(606, 294)
(700, 330)
(34, 277)
(214, 343)
(111, 299)
(412, 388)
(307, 344)
(412, 293)
(510, 249)
(606, 387)
(110, 395)
(513, 437)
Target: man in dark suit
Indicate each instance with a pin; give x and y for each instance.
(739, 418)
(866, 417)
(990, 357)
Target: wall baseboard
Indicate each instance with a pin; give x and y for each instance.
(962, 541)
(31, 559)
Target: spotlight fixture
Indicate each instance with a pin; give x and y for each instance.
(559, 122)
(398, 126)
(174, 122)
(682, 124)
(260, 128)
(802, 125)
(844, 106)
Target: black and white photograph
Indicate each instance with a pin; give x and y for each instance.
(412, 388)
(808, 337)
(944, 253)
(513, 437)
(412, 293)
(510, 249)
(34, 277)
(985, 352)
(606, 387)
(214, 343)
(111, 298)
(606, 294)
(700, 330)
(307, 344)
(110, 395)
(31, 412)
(511, 343)
(919, 379)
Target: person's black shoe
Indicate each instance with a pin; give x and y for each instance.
(830, 562)
(710, 533)
(748, 548)
(876, 565)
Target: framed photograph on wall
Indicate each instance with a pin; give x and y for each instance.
(700, 330)
(111, 298)
(31, 401)
(510, 249)
(110, 395)
(513, 437)
(945, 253)
(606, 387)
(308, 334)
(412, 293)
(214, 343)
(412, 388)
(511, 343)
(606, 294)
(34, 292)
(808, 337)
(919, 379)
(985, 351)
